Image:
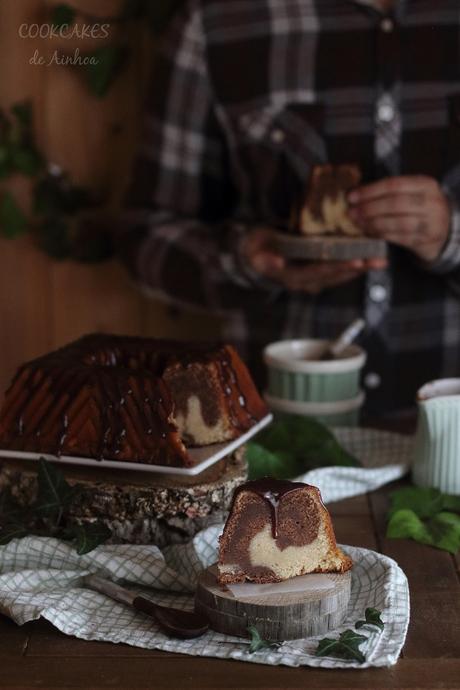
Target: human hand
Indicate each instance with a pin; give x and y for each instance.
(411, 210)
(257, 250)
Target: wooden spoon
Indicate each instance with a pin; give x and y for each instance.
(174, 622)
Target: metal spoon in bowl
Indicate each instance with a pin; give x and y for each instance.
(174, 622)
(337, 346)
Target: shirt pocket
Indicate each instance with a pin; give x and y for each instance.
(273, 150)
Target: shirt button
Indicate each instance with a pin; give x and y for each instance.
(372, 380)
(385, 112)
(387, 25)
(278, 136)
(378, 293)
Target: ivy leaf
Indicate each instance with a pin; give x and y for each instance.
(26, 160)
(54, 493)
(88, 536)
(13, 530)
(444, 529)
(109, 61)
(53, 238)
(5, 161)
(262, 463)
(441, 531)
(92, 245)
(293, 445)
(9, 509)
(451, 503)
(13, 221)
(257, 642)
(22, 111)
(423, 502)
(62, 15)
(346, 647)
(404, 523)
(372, 618)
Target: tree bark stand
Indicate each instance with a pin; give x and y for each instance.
(138, 507)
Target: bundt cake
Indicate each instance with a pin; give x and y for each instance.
(276, 530)
(324, 210)
(130, 399)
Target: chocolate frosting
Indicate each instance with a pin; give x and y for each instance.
(271, 490)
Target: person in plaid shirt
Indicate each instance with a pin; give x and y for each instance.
(247, 96)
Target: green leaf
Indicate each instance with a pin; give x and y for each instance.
(88, 536)
(444, 529)
(372, 618)
(5, 161)
(62, 15)
(92, 247)
(263, 463)
(293, 445)
(257, 642)
(26, 160)
(109, 60)
(423, 502)
(346, 647)
(53, 238)
(451, 503)
(54, 493)
(441, 531)
(13, 221)
(404, 524)
(10, 511)
(12, 531)
(23, 113)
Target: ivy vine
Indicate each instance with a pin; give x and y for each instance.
(110, 59)
(57, 201)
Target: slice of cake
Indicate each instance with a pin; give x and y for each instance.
(131, 399)
(277, 530)
(324, 210)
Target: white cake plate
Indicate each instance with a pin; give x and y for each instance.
(202, 457)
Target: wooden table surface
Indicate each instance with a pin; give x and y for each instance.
(36, 655)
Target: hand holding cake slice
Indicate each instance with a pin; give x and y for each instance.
(277, 530)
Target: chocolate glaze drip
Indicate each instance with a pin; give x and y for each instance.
(271, 490)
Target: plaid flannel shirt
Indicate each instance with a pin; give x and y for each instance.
(247, 95)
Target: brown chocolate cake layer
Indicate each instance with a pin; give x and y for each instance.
(324, 209)
(276, 530)
(131, 399)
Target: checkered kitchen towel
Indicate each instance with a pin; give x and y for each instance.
(43, 577)
(385, 457)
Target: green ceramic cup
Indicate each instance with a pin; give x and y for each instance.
(296, 374)
(341, 413)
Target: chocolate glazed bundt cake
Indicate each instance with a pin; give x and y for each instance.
(276, 530)
(130, 399)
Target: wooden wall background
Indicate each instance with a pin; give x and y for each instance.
(44, 303)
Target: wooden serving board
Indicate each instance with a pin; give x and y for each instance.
(278, 617)
(329, 248)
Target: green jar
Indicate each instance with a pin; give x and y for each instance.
(300, 383)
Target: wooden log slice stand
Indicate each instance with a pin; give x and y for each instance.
(139, 507)
(279, 617)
